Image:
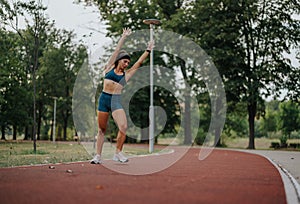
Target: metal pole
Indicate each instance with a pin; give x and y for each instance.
(54, 119)
(151, 112)
(151, 22)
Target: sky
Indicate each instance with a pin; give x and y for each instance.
(82, 20)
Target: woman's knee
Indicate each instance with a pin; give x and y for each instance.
(101, 131)
(123, 127)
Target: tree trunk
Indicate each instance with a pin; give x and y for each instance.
(66, 114)
(218, 115)
(65, 129)
(251, 117)
(39, 122)
(218, 137)
(14, 132)
(32, 133)
(58, 135)
(187, 119)
(187, 107)
(3, 132)
(26, 133)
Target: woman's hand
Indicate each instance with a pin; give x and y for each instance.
(150, 45)
(126, 32)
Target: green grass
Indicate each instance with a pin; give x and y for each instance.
(260, 143)
(21, 153)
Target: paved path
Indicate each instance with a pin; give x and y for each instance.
(224, 177)
(288, 163)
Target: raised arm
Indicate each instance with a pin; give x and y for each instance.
(130, 72)
(112, 59)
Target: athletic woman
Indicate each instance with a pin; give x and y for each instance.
(115, 77)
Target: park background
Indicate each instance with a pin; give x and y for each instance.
(254, 45)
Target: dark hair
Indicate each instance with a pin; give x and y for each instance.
(122, 55)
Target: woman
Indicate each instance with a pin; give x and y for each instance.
(109, 100)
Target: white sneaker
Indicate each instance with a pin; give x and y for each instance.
(120, 157)
(96, 159)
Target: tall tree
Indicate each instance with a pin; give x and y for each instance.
(34, 40)
(213, 26)
(269, 120)
(247, 41)
(288, 118)
(36, 24)
(268, 31)
(13, 84)
(59, 67)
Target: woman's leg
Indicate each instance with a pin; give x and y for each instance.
(102, 123)
(121, 121)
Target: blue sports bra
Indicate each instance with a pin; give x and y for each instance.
(116, 78)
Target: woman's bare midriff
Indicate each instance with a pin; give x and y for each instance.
(112, 87)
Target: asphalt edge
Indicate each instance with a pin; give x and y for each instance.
(292, 180)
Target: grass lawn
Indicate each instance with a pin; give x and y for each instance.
(242, 143)
(20, 153)
(260, 143)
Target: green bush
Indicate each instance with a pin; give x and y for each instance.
(199, 139)
(283, 141)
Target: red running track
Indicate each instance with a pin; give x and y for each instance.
(224, 177)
